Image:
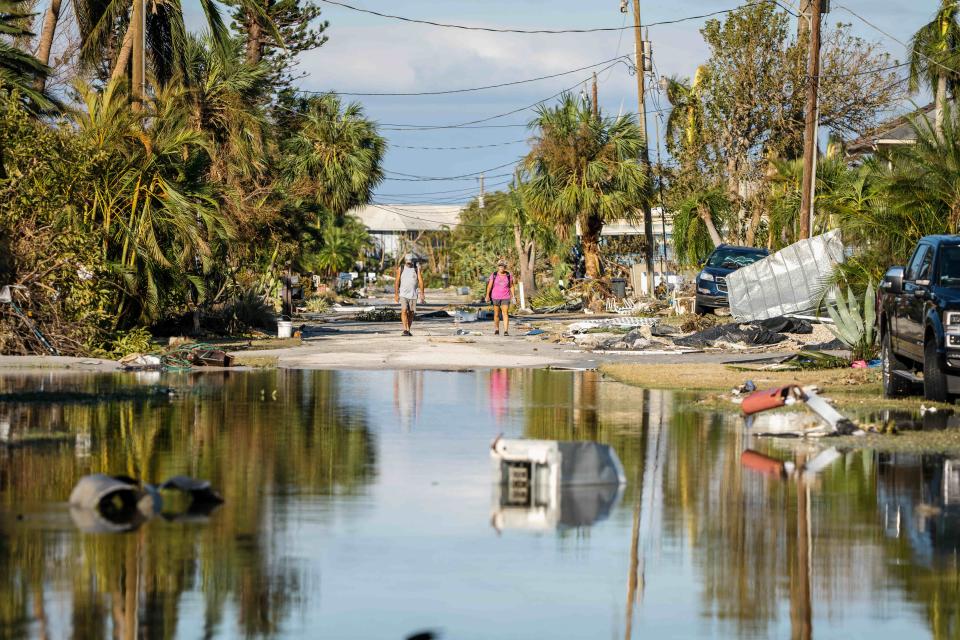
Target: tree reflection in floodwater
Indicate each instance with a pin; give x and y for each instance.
(258, 437)
(871, 541)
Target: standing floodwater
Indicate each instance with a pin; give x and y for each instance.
(361, 505)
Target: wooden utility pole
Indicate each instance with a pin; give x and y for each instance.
(138, 15)
(596, 105)
(644, 153)
(808, 187)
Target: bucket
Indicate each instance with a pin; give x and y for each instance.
(284, 329)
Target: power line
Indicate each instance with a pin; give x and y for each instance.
(471, 89)
(894, 38)
(386, 207)
(465, 175)
(475, 146)
(433, 193)
(530, 31)
(387, 126)
(471, 177)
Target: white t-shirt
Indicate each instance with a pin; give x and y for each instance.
(409, 285)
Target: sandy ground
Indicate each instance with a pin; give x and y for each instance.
(434, 345)
(343, 343)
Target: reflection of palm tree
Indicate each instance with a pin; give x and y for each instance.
(305, 442)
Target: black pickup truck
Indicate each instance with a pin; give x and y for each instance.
(919, 316)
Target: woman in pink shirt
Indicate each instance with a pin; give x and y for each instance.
(500, 291)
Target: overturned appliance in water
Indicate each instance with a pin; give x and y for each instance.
(110, 504)
(545, 484)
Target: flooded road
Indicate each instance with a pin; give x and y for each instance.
(361, 505)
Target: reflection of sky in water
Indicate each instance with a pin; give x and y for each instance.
(409, 544)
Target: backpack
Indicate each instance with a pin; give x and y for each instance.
(493, 278)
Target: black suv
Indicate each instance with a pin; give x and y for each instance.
(712, 280)
(919, 317)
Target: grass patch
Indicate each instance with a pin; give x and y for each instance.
(856, 390)
(260, 362)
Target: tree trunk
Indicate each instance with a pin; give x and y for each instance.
(941, 105)
(733, 191)
(138, 62)
(123, 58)
(526, 258)
(704, 212)
(255, 36)
(590, 227)
(46, 40)
(754, 223)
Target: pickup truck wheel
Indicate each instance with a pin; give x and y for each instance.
(701, 310)
(934, 376)
(894, 386)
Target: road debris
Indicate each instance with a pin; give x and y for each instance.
(760, 401)
(787, 282)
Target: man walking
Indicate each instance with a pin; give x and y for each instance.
(407, 289)
(500, 292)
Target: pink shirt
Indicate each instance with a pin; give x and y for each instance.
(501, 286)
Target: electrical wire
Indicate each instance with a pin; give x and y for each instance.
(470, 89)
(894, 38)
(475, 146)
(499, 175)
(473, 174)
(387, 207)
(433, 193)
(531, 31)
(391, 126)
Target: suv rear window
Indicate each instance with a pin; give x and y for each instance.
(734, 258)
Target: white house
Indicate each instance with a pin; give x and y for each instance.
(391, 224)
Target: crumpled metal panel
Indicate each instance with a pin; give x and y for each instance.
(787, 282)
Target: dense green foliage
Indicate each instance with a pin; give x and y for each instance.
(186, 204)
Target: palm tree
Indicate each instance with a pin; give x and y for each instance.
(926, 177)
(584, 170)
(50, 19)
(334, 157)
(685, 122)
(223, 95)
(164, 33)
(157, 212)
(19, 69)
(935, 55)
(696, 220)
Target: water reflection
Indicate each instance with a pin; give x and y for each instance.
(258, 446)
(407, 397)
(333, 513)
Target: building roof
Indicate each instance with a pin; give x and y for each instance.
(398, 218)
(635, 228)
(892, 132)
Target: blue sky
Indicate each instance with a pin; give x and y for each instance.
(371, 54)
